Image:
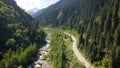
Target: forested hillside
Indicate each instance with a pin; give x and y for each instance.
(69, 13)
(19, 38)
(11, 13)
(100, 38)
(98, 24)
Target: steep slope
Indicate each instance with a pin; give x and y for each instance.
(19, 36)
(98, 24)
(11, 13)
(100, 38)
(65, 13)
(53, 8)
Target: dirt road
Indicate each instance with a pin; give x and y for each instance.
(77, 53)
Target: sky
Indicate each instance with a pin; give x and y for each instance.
(31, 4)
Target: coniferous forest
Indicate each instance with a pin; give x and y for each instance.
(96, 21)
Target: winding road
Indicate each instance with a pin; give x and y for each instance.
(77, 53)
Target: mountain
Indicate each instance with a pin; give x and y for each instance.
(32, 11)
(10, 13)
(65, 10)
(98, 25)
(20, 36)
(54, 7)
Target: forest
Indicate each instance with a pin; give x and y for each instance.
(95, 24)
(98, 24)
(19, 41)
(100, 38)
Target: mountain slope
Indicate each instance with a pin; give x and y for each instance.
(96, 21)
(11, 13)
(53, 7)
(65, 12)
(99, 38)
(20, 36)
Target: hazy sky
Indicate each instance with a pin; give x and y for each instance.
(30, 4)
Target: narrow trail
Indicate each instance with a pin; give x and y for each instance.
(41, 63)
(77, 53)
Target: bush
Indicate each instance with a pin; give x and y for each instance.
(11, 42)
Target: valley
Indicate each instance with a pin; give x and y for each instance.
(61, 53)
(66, 34)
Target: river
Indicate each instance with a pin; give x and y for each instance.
(42, 52)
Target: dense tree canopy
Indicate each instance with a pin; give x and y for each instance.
(96, 21)
(19, 38)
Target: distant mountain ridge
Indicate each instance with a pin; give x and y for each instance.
(54, 7)
(33, 11)
(84, 8)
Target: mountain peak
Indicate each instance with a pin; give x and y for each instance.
(33, 11)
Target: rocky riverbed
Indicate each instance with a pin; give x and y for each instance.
(42, 52)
